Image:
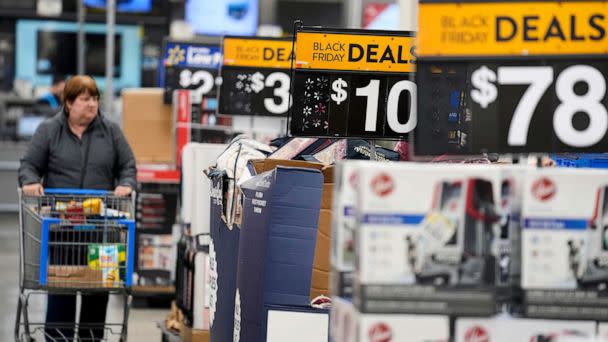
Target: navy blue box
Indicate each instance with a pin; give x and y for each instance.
(277, 244)
(223, 253)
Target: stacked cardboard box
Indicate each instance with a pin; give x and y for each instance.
(148, 125)
(277, 245)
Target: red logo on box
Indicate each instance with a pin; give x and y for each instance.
(476, 334)
(380, 332)
(544, 189)
(382, 185)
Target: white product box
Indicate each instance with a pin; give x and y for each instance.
(408, 213)
(349, 325)
(602, 332)
(508, 329)
(296, 326)
(564, 229)
(343, 214)
(434, 225)
(197, 157)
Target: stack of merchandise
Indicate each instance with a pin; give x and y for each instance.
(270, 241)
(418, 245)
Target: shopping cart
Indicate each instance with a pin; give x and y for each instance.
(74, 242)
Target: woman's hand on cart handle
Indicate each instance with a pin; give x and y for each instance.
(122, 190)
(34, 189)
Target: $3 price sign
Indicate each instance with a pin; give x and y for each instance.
(263, 92)
(351, 105)
(569, 100)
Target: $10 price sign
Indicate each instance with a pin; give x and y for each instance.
(255, 76)
(352, 83)
(190, 66)
(532, 75)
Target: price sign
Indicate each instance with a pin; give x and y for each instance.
(513, 77)
(190, 66)
(354, 83)
(255, 76)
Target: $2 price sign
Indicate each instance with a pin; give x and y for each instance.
(190, 66)
(354, 84)
(577, 90)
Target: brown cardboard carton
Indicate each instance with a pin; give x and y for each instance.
(263, 165)
(194, 335)
(320, 273)
(74, 277)
(328, 187)
(321, 265)
(148, 125)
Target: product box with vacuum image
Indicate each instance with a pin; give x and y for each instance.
(433, 238)
(565, 244)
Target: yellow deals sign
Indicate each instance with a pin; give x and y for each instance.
(513, 28)
(393, 52)
(258, 52)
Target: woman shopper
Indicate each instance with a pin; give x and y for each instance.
(78, 148)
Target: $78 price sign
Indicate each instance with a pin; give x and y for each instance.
(487, 85)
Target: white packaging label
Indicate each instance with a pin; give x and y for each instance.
(237, 317)
(213, 281)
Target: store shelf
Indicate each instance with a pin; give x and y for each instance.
(152, 290)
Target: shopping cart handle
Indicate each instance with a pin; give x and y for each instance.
(70, 191)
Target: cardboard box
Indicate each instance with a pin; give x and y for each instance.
(258, 166)
(294, 324)
(349, 325)
(564, 249)
(320, 276)
(74, 277)
(148, 125)
(223, 256)
(429, 235)
(194, 335)
(277, 244)
(507, 329)
(321, 266)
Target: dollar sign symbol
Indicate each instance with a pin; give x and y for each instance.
(483, 79)
(185, 78)
(340, 94)
(257, 82)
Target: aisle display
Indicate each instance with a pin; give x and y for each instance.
(403, 251)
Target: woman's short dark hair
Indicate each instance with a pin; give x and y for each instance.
(79, 84)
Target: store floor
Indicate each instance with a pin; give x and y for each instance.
(142, 322)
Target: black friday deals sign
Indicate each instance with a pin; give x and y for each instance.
(531, 77)
(353, 83)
